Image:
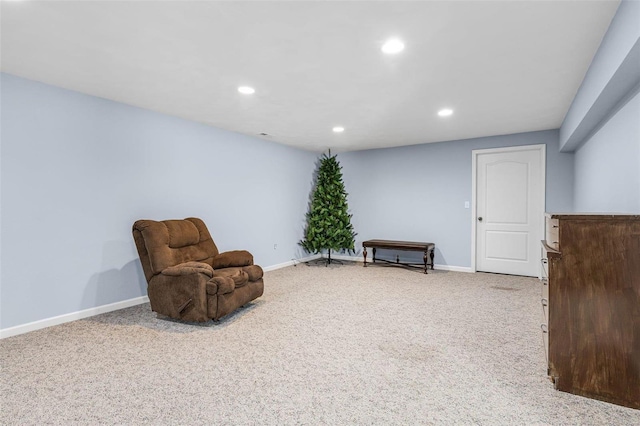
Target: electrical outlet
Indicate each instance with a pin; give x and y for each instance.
(275, 247)
(466, 204)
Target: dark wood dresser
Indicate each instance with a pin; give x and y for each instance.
(591, 305)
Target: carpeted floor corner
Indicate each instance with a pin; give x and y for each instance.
(324, 345)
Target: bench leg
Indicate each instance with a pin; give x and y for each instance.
(432, 256)
(364, 253)
(374, 255)
(425, 258)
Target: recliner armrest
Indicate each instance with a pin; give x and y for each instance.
(189, 268)
(235, 258)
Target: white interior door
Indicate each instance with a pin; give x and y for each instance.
(509, 214)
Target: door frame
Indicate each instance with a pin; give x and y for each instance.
(542, 151)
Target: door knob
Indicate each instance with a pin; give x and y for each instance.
(480, 219)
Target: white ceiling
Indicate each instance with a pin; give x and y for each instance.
(504, 67)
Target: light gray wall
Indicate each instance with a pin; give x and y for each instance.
(607, 109)
(619, 40)
(607, 166)
(418, 192)
(77, 171)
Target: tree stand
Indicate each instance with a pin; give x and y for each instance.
(326, 260)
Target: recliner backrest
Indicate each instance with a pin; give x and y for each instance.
(162, 244)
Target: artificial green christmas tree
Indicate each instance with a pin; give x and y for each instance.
(328, 220)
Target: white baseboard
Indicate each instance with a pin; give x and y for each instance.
(73, 316)
(291, 263)
(440, 267)
(346, 257)
(310, 258)
(454, 268)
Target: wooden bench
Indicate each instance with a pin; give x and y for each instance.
(426, 248)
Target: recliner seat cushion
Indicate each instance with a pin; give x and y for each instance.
(238, 276)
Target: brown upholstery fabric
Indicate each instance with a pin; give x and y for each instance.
(227, 303)
(142, 253)
(189, 268)
(156, 238)
(254, 272)
(238, 276)
(187, 277)
(182, 233)
(181, 297)
(232, 258)
(212, 305)
(220, 285)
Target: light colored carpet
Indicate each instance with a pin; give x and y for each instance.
(337, 345)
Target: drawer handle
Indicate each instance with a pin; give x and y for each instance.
(544, 260)
(544, 328)
(544, 302)
(555, 226)
(545, 281)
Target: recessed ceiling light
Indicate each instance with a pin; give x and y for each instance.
(338, 129)
(393, 46)
(445, 112)
(246, 90)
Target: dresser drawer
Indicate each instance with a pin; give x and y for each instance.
(552, 234)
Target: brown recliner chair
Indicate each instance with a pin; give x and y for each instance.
(188, 278)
